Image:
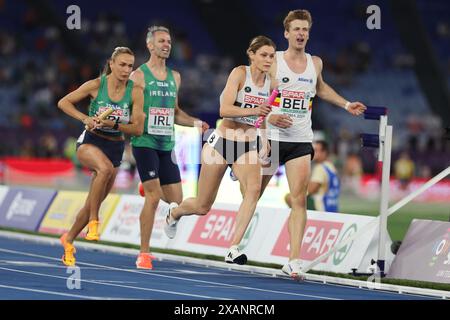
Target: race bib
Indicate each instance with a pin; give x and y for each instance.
(295, 104)
(118, 116)
(212, 139)
(161, 121)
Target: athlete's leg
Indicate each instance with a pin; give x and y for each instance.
(211, 174)
(152, 191)
(298, 173)
(172, 193)
(93, 158)
(248, 171)
(82, 218)
(170, 177)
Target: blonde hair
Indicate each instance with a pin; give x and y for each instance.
(299, 14)
(117, 51)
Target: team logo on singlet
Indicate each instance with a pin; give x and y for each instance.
(247, 89)
(285, 79)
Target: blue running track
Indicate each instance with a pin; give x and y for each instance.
(32, 270)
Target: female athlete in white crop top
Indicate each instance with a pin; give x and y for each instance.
(234, 143)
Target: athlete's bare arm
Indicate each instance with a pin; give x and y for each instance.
(67, 103)
(325, 92)
(235, 82)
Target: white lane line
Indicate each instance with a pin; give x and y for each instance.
(115, 285)
(242, 269)
(174, 277)
(57, 293)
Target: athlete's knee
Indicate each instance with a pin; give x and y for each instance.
(298, 200)
(152, 196)
(105, 170)
(253, 190)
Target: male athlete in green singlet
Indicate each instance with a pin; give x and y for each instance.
(159, 174)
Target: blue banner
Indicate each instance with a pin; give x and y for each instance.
(24, 208)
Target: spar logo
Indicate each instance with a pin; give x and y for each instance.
(253, 99)
(340, 255)
(214, 229)
(217, 229)
(441, 249)
(319, 237)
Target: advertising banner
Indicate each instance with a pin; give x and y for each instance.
(65, 207)
(424, 254)
(323, 231)
(3, 192)
(267, 237)
(23, 208)
(124, 226)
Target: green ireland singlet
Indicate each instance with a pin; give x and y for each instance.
(159, 108)
(122, 108)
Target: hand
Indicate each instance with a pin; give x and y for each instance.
(105, 123)
(205, 126)
(356, 108)
(263, 109)
(280, 120)
(90, 123)
(201, 125)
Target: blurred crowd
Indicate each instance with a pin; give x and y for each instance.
(38, 67)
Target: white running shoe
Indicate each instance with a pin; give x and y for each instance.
(170, 227)
(232, 176)
(294, 269)
(235, 255)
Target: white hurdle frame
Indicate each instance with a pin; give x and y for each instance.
(368, 226)
(384, 155)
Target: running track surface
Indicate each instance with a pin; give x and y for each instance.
(31, 270)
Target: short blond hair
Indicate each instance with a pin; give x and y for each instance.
(299, 14)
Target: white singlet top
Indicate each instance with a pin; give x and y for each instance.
(297, 91)
(250, 96)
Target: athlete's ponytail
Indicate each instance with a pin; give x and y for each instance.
(117, 51)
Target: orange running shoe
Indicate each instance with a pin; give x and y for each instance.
(68, 258)
(144, 261)
(92, 234)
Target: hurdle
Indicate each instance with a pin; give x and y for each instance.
(384, 156)
(384, 142)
